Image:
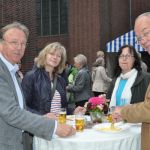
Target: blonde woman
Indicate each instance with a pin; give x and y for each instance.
(44, 89)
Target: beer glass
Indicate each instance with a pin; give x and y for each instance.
(79, 122)
(62, 116)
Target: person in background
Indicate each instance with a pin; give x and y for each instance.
(139, 112)
(130, 83)
(82, 84)
(72, 72)
(14, 119)
(100, 78)
(63, 74)
(99, 54)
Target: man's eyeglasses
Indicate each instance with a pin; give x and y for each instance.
(140, 38)
(16, 44)
(125, 56)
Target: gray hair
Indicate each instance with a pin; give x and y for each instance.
(146, 14)
(15, 25)
(81, 59)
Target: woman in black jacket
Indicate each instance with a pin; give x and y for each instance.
(43, 88)
(130, 83)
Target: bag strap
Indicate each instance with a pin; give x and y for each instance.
(54, 86)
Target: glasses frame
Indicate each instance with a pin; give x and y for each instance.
(125, 56)
(140, 38)
(16, 44)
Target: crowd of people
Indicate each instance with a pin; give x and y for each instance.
(29, 104)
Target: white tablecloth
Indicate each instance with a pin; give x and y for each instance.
(91, 139)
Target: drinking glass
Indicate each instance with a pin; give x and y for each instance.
(79, 122)
(110, 111)
(62, 116)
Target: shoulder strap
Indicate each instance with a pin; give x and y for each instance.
(54, 86)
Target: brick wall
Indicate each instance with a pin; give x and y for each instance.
(84, 28)
(92, 23)
(24, 12)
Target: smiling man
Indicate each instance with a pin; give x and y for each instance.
(14, 119)
(139, 112)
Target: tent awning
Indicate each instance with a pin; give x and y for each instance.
(127, 38)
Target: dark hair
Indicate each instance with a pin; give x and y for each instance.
(136, 65)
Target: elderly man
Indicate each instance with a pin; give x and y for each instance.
(14, 119)
(139, 112)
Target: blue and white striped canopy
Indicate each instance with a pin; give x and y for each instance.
(128, 38)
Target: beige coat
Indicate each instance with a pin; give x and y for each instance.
(100, 79)
(140, 113)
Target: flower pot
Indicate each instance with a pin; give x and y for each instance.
(96, 117)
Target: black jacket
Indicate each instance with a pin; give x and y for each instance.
(138, 89)
(36, 86)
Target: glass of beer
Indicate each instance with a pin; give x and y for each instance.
(79, 122)
(62, 116)
(109, 115)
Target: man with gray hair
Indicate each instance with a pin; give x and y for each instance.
(14, 119)
(139, 112)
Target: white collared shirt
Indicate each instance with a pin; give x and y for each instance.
(13, 69)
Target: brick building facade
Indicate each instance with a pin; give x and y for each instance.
(91, 24)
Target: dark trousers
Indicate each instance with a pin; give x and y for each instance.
(27, 141)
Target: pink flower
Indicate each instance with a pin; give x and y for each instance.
(96, 100)
(96, 104)
(100, 106)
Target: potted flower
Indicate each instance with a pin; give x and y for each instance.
(96, 107)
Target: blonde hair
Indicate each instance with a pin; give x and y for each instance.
(40, 60)
(100, 54)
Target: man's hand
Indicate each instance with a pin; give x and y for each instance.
(51, 116)
(116, 115)
(64, 130)
(79, 109)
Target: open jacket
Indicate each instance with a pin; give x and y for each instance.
(36, 86)
(13, 119)
(138, 90)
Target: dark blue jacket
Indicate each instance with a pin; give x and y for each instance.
(36, 86)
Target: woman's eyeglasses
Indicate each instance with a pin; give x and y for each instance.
(125, 56)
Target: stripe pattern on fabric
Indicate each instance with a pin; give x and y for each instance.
(56, 103)
(128, 38)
